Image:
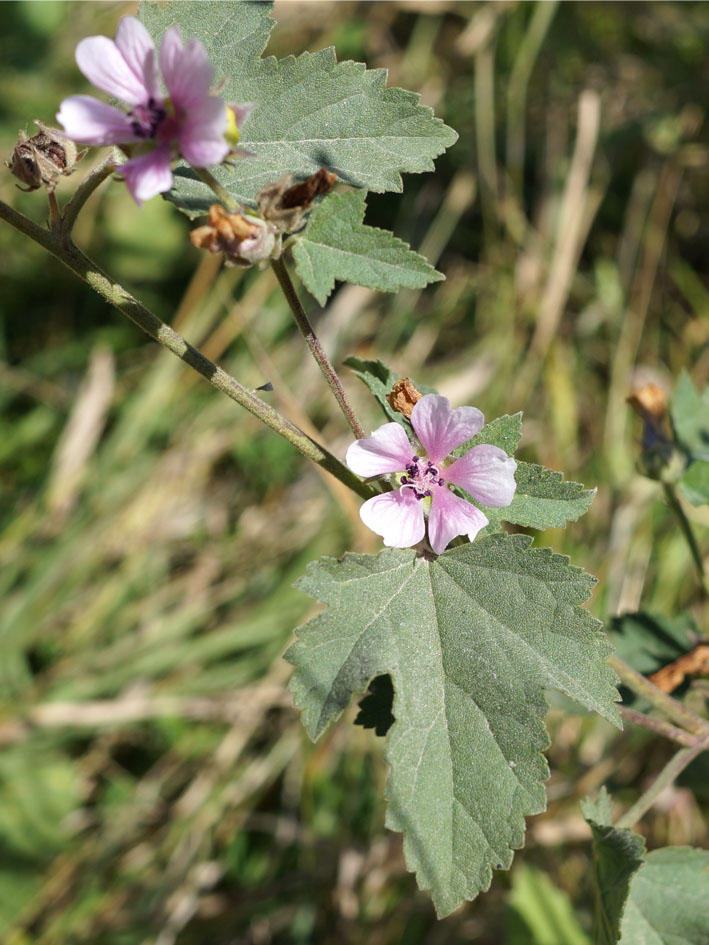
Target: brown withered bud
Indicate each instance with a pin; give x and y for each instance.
(41, 160)
(403, 396)
(649, 402)
(244, 240)
(285, 204)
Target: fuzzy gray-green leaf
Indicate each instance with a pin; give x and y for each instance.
(669, 899)
(308, 111)
(336, 245)
(543, 499)
(471, 640)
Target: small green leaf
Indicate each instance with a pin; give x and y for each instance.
(380, 379)
(690, 417)
(694, 484)
(308, 111)
(337, 245)
(543, 499)
(617, 856)
(669, 899)
(503, 432)
(471, 640)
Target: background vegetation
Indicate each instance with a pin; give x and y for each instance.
(155, 784)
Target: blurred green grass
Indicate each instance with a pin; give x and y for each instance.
(155, 786)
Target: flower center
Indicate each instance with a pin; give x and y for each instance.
(420, 476)
(146, 119)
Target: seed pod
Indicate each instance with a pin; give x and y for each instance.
(42, 159)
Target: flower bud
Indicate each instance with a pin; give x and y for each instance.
(42, 159)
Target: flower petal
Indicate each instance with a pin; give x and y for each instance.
(441, 429)
(136, 46)
(396, 516)
(451, 516)
(102, 63)
(89, 121)
(201, 137)
(387, 450)
(487, 473)
(148, 175)
(187, 72)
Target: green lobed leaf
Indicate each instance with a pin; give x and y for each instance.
(694, 484)
(337, 245)
(669, 899)
(380, 379)
(617, 856)
(543, 499)
(471, 640)
(309, 111)
(689, 410)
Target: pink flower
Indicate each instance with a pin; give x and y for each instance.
(424, 476)
(155, 129)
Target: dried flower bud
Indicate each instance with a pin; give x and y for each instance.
(286, 204)
(42, 159)
(649, 402)
(403, 396)
(244, 240)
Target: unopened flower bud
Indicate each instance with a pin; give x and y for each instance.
(403, 397)
(42, 159)
(244, 240)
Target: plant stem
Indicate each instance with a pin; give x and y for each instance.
(690, 538)
(306, 329)
(301, 319)
(226, 198)
(672, 769)
(98, 175)
(659, 699)
(82, 266)
(659, 727)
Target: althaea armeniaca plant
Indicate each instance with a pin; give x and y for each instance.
(471, 624)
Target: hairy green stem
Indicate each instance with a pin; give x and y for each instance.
(226, 198)
(301, 319)
(659, 727)
(83, 267)
(659, 699)
(306, 330)
(689, 536)
(93, 179)
(669, 773)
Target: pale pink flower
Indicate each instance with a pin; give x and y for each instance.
(424, 476)
(155, 129)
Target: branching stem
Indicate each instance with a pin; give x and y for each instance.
(299, 314)
(669, 773)
(82, 266)
(659, 727)
(659, 699)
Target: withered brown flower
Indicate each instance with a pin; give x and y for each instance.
(285, 205)
(244, 240)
